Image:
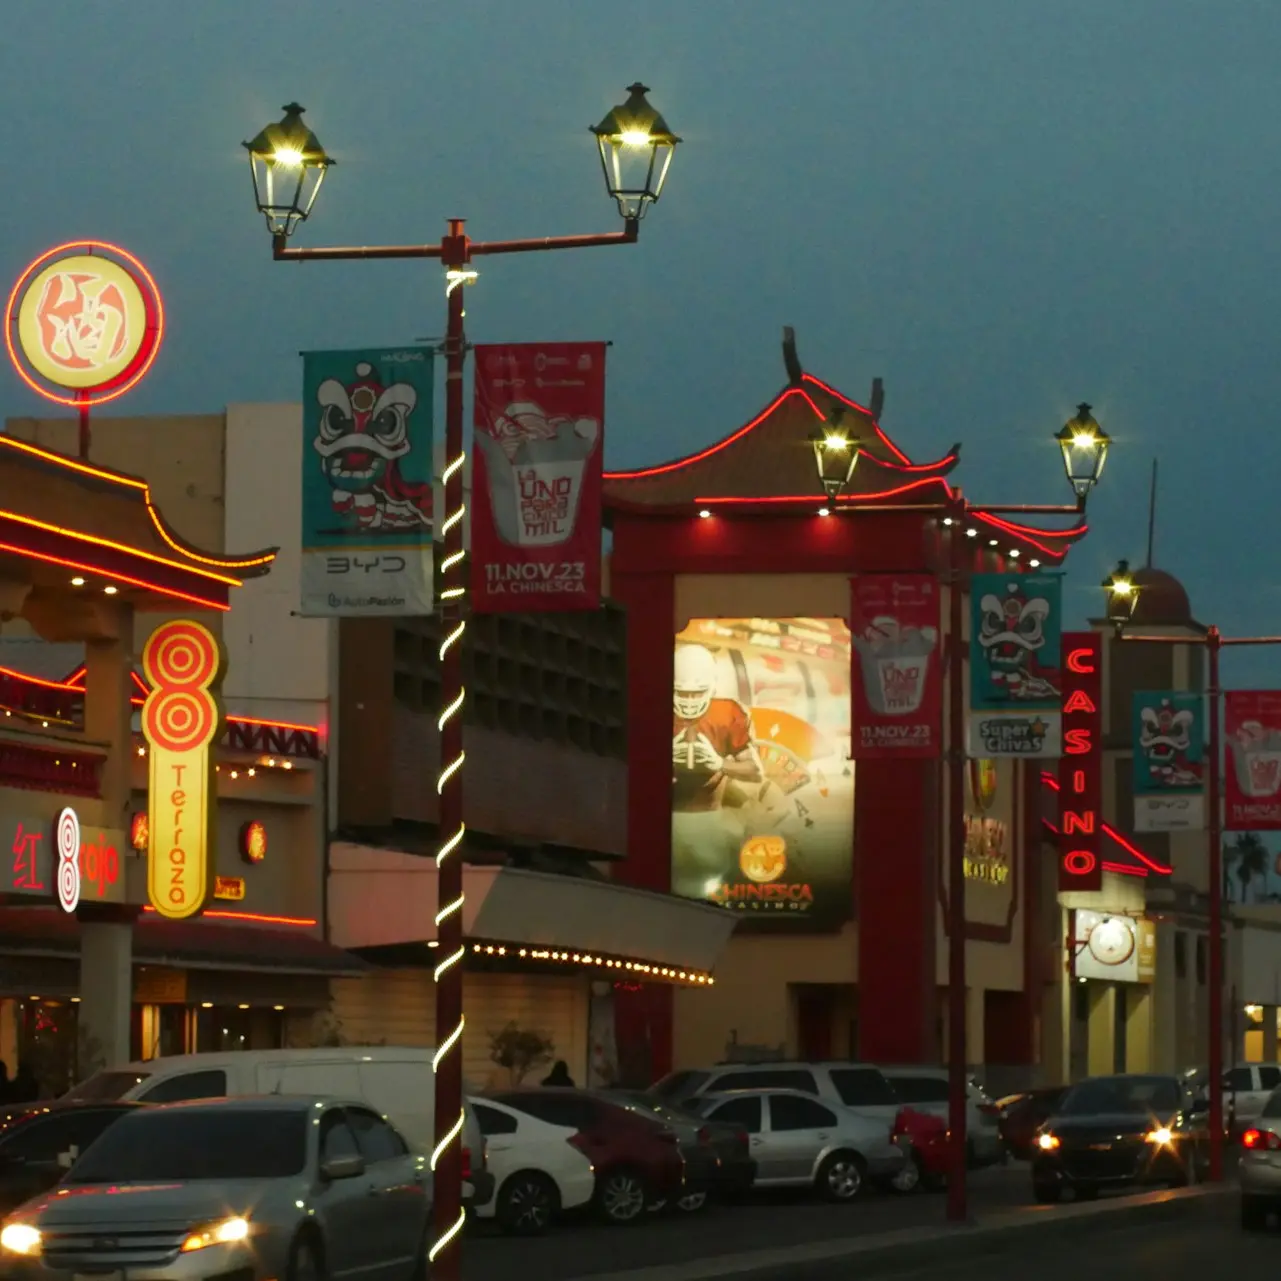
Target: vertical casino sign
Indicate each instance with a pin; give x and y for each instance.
(1081, 765)
(183, 663)
(84, 323)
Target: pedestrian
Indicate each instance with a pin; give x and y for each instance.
(559, 1075)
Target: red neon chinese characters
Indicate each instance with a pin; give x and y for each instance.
(26, 856)
(1081, 766)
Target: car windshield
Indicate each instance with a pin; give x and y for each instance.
(180, 1144)
(1123, 1094)
(106, 1087)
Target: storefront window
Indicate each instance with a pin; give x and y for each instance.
(230, 1027)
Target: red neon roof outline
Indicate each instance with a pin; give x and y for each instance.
(1058, 553)
(303, 922)
(1077, 531)
(862, 409)
(143, 358)
(843, 500)
(1128, 846)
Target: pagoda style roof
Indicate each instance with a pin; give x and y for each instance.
(63, 516)
(767, 465)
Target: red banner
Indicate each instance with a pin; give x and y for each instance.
(1081, 765)
(536, 482)
(897, 685)
(1252, 769)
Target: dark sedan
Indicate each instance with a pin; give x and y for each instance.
(1120, 1131)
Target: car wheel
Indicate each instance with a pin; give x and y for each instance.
(1047, 1193)
(841, 1176)
(621, 1196)
(692, 1202)
(1254, 1214)
(305, 1263)
(910, 1177)
(527, 1203)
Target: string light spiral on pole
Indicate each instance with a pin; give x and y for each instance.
(448, 724)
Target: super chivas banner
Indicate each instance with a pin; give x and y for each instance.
(366, 483)
(1169, 761)
(1015, 679)
(536, 493)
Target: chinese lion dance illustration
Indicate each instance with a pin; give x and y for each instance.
(1012, 635)
(1165, 738)
(362, 438)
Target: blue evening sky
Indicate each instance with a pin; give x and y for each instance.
(1000, 206)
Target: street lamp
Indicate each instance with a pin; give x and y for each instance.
(1085, 449)
(835, 457)
(1123, 595)
(287, 164)
(633, 132)
(636, 150)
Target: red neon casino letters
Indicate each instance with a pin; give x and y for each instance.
(1081, 766)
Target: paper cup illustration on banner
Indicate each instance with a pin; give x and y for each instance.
(535, 465)
(1256, 758)
(895, 664)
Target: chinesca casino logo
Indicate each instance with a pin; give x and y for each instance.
(763, 859)
(85, 319)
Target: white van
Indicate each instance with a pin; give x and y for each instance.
(395, 1081)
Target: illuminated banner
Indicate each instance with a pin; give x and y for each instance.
(1015, 703)
(181, 719)
(894, 621)
(1081, 766)
(536, 492)
(32, 866)
(366, 483)
(1169, 761)
(762, 782)
(84, 323)
(1252, 724)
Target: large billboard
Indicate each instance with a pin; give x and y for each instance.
(367, 483)
(762, 781)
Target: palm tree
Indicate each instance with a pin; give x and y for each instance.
(1249, 858)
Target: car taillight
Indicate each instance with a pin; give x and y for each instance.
(743, 1140)
(900, 1124)
(1261, 1141)
(466, 1174)
(704, 1135)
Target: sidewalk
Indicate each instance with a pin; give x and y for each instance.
(1029, 1227)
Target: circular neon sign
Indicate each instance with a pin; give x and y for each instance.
(84, 323)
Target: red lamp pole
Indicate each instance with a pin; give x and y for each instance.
(456, 251)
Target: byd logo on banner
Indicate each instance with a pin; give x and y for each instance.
(1081, 765)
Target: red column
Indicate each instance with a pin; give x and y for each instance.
(896, 905)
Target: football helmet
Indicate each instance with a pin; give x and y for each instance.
(695, 682)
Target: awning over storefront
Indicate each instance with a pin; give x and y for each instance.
(192, 945)
(385, 898)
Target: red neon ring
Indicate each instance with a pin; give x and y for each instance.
(1079, 863)
(144, 357)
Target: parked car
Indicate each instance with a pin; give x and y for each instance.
(1260, 1170)
(1119, 1131)
(926, 1090)
(718, 1158)
(264, 1187)
(637, 1160)
(924, 1137)
(537, 1169)
(1022, 1115)
(393, 1080)
(1246, 1090)
(799, 1140)
(840, 1084)
(39, 1142)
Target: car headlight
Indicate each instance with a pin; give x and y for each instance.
(1047, 1142)
(1161, 1136)
(224, 1232)
(20, 1238)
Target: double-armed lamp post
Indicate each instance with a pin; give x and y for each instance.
(289, 166)
(1123, 595)
(1084, 446)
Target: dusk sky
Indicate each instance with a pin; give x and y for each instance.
(1001, 207)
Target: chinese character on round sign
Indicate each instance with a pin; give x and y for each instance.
(85, 319)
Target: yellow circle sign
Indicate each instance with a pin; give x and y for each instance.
(83, 322)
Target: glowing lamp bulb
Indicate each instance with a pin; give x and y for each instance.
(1084, 440)
(834, 440)
(635, 137)
(287, 157)
(1122, 587)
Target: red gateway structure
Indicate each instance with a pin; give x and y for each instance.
(743, 544)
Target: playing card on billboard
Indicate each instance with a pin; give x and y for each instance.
(894, 626)
(536, 490)
(1015, 661)
(1252, 724)
(1169, 761)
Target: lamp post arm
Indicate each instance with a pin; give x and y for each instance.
(282, 251)
(628, 236)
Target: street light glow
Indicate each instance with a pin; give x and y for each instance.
(834, 440)
(635, 138)
(287, 157)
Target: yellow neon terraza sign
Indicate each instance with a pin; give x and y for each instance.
(181, 719)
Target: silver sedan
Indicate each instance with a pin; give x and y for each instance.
(798, 1140)
(253, 1187)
